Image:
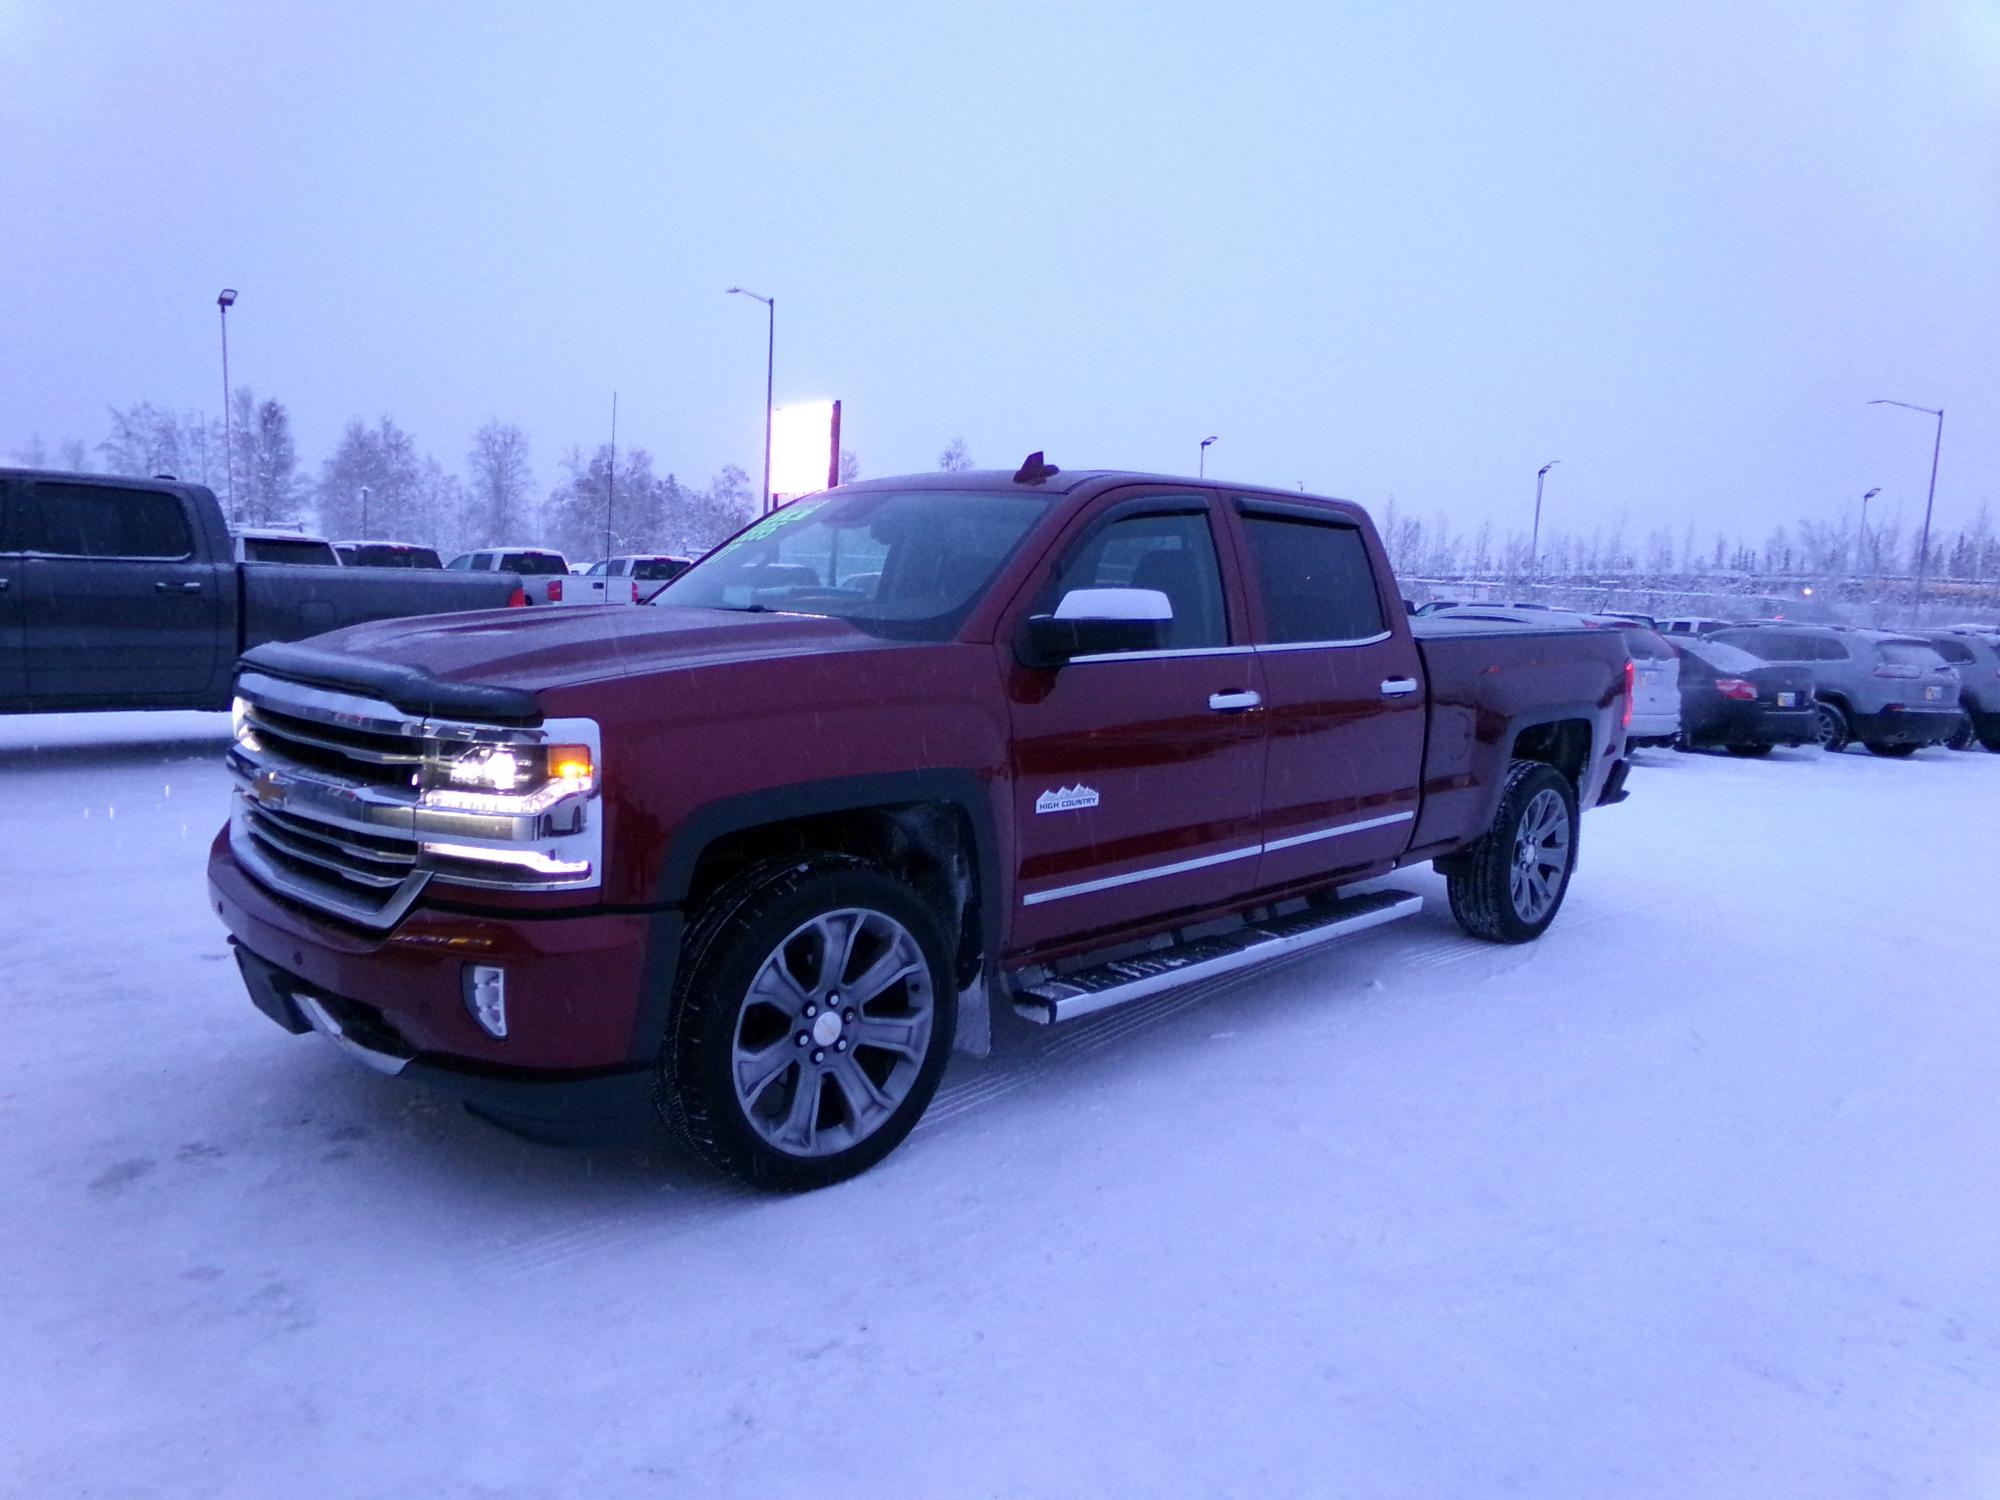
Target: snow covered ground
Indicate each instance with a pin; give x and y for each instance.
(1699, 1196)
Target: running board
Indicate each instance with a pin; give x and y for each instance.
(1067, 996)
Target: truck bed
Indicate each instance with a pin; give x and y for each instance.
(1489, 678)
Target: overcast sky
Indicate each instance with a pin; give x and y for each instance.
(1380, 249)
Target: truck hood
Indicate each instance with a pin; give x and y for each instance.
(545, 647)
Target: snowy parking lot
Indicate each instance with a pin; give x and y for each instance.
(1699, 1196)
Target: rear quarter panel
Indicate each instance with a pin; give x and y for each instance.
(1488, 684)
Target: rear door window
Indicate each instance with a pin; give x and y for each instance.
(1955, 652)
(88, 520)
(1316, 577)
(1906, 653)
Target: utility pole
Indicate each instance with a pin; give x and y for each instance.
(1201, 461)
(1535, 540)
(611, 475)
(770, 364)
(1937, 443)
(225, 300)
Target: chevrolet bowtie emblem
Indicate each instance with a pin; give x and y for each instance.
(267, 790)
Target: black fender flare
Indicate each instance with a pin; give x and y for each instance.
(696, 833)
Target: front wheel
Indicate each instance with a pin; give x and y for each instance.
(810, 1026)
(1508, 886)
(1888, 751)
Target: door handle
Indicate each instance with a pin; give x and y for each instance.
(1231, 703)
(1398, 687)
(176, 588)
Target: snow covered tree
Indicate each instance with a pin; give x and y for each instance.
(383, 460)
(500, 486)
(955, 457)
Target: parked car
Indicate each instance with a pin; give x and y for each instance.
(760, 851)
(1694, 625)
(1634, 616)
(1656, 692)
(127, 593)
(1740, 703)
(542, 571)
(1975, 656)
(625, 580)
(1893, 693)
(265, 545)
(386, 555)
(647, 567)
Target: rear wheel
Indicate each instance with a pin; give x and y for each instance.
(811, 1024)
(1991, 742)
(1962, 738)
(1750, 752)
(1891, 752)
(1834, 730)
(1508, 886)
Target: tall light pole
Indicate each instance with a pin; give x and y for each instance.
(364, 512)
(1201, 458)
(1924, 546)
(225, 300)
(1864, 522)
(770, 363)
(1535, 539)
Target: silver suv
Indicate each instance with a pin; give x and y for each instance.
(1893, 693)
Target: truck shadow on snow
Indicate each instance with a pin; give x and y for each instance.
(425, 1145)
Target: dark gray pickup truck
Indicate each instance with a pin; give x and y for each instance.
(125, 593)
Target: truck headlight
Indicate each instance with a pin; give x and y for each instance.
(510, 778)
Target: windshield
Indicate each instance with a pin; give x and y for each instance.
(902, 562)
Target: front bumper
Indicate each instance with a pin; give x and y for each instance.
(581, 1033)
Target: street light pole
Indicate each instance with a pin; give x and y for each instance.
(1535, 539)
(1864, 522)
(1937, 443)
(225, 300)
(1201, 462)
(364, 512)
(770, 365)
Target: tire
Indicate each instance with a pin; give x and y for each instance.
(1891, 752)
(1749, 752)
(1487, 882)
(753, 982)
(1835, 733)
(1991, 742)
(1962, 738)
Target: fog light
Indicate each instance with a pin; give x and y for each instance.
(486, 997)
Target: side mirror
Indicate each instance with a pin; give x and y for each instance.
(1097, 622)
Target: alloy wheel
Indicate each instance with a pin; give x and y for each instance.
(833, 1032)
(1541, 856)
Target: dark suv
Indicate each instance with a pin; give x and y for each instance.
(1975, 656)
(1893, 693)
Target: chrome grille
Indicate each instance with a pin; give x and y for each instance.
(330, 809)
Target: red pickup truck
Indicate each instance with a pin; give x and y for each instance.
(760, 854)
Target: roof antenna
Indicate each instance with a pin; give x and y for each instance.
(1035, 470)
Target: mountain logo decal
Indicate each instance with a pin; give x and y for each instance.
(1066, 799)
